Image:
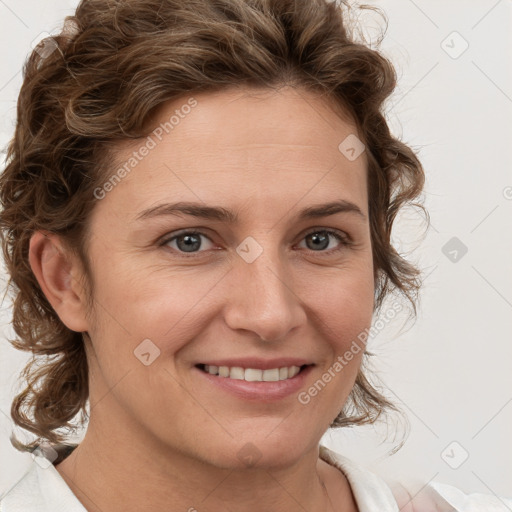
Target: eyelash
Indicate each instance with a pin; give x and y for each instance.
(344, 240)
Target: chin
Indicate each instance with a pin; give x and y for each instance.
(262, 451)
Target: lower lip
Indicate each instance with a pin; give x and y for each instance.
(260, 391)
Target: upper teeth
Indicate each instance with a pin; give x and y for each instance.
(253, 374)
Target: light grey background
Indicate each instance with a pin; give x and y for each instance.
(449, 371)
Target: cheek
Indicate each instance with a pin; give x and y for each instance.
(343, 319)
(147, 310)
(344, 303)
(343, 314)
(148, 299)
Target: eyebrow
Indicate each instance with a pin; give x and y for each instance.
(224, 215)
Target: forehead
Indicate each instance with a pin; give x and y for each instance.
(233, 146)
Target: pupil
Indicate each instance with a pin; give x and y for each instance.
(320, 238)
(192, 242)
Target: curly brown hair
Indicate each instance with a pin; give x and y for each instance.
(77, 100)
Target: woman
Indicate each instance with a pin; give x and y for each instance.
(197, 209)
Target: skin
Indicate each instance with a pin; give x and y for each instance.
(158, 434)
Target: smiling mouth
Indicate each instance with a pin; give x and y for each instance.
(253, 374)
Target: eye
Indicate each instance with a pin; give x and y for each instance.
(319, 239)
(186, 241)
(189, 242)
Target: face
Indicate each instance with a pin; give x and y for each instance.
(255, 283)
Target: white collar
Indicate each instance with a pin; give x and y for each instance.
(370, 491)
(41, 489)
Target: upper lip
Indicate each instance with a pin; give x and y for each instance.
(258, 363)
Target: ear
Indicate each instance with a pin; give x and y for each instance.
(58, 274)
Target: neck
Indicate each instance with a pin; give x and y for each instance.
(129, 473)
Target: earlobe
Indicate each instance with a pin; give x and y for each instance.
(57, 274)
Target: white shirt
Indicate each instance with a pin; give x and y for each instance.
(42, 489)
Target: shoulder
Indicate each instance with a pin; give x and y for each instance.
(40, 489)
(374, 493)
(447, 498)
(426, 500)
(23, 495)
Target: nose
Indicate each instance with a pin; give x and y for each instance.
(262, 299)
